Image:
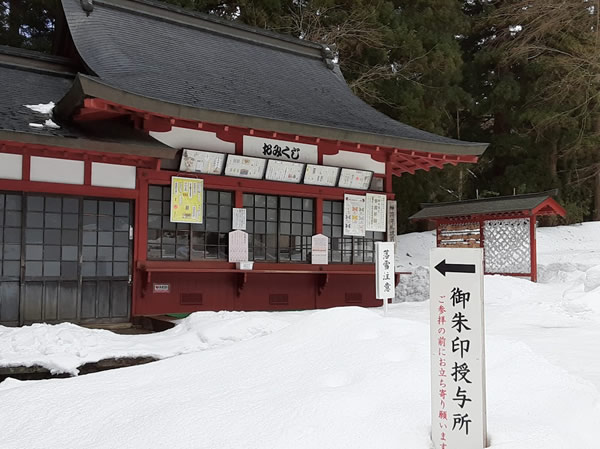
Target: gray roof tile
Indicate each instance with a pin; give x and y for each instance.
(160, 58)
(482, 206)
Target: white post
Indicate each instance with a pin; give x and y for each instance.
(458, 394)
(384, 272)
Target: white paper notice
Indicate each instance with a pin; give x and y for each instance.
(392, 221)
(320, 249)
(354, 215)
(245, 167)
(284, 171)
(375, 212)
(238, 246)
(202, 162)
(321, 175)
(239, 218)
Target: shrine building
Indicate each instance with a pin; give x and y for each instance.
(163, 161)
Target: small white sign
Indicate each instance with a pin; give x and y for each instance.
(376, 212)
(161, 288)
(320, 249)
(238, 246)
(280, 149)
(354, 215)
(384, 271)
(284, 171)
(239, 218)
(245, 167)
(355, 179)
(321, 175)
(392, 221)
(457, 349)
(195, 161)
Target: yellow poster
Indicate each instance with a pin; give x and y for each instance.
(187, 198)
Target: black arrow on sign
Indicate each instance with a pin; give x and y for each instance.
(444, 268)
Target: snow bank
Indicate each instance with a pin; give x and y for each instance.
(344, 377)
(62, 348)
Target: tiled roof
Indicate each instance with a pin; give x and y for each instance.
(188, 59)
(484, 206)
(25, 86)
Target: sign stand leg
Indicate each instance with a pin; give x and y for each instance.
(385, 306)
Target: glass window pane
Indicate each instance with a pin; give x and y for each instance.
(105, 223)
(12, 268)
(33, 268)
(248, 200)
(104, 269)
(297, 203)
(89, 253)
(52, 220)
(12, 218)
(154, 207)
(260, 201)
(212, 210)
(33, 235)
(121, 239)
(51, 252)
(69, 253)
(121, 223)
(307, 204)
(34, 220)
(121, 254)
(285, 202)
(90, 206)
(35, 203)
(105, 238)
(105, 208)
(154, 221)
(70, 237)
(69, 269)
(212, 197)
(155, 192)
(33, 252)
(225, 198)
(89, 238)
(71, 205)
(272, 202)
(120, 269)
(121, 209)
(88, 269)
(12, 235)
(53, 204)
(51, 268)
(70, 221)
(12, 202)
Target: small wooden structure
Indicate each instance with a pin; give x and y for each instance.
(503, 226)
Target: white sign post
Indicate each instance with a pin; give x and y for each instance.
(458, 406)
(320, 249)
(385, 285)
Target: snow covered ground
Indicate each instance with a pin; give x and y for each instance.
(338, 378)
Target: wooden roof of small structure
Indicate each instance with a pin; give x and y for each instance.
(521, 205)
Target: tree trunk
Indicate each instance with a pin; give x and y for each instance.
(596, 216)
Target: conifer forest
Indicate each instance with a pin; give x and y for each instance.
(522, 75)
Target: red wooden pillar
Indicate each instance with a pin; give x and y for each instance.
(533, 248)
(319, 216)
